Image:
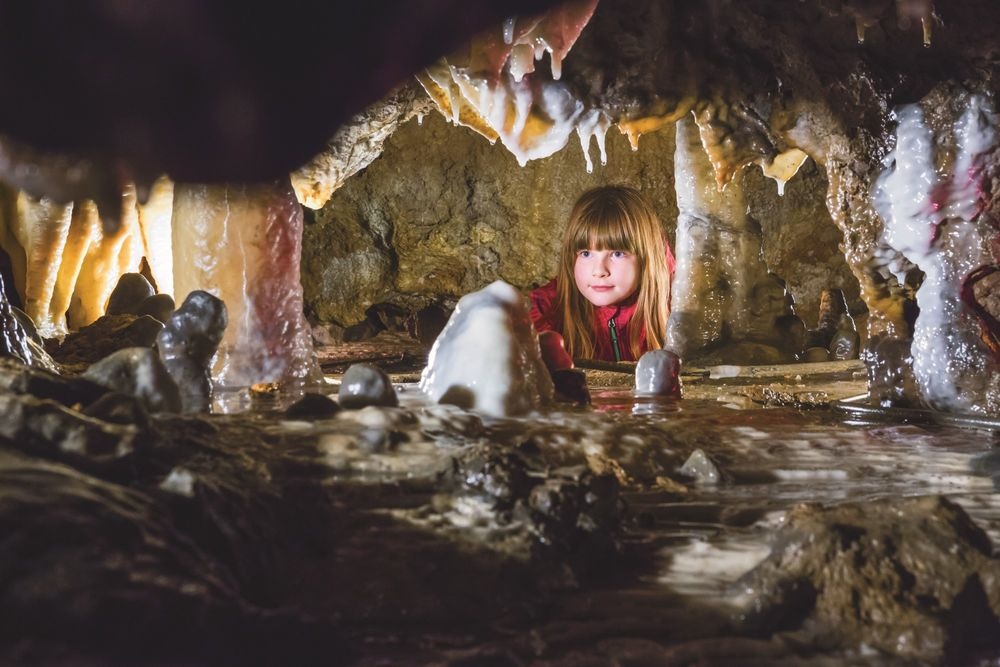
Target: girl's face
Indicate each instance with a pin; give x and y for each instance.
(605, 277)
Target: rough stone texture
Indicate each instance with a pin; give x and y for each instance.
(912, 577)
(442, 213)
(364, 385)
(801, 242)
(139, 372)
(104, 336)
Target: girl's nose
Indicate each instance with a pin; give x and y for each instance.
(600, 267)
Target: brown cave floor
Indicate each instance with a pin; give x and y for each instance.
(428, 535)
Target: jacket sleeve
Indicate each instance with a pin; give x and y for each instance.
(543, 307)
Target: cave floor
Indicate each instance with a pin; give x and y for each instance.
(425, 534)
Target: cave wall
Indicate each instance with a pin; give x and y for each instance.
(442, 212)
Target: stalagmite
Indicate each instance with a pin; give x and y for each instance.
(487, 358)
(931, 199)
(243, 244)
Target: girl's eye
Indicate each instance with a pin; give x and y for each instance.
(619, 254)
(583, 253)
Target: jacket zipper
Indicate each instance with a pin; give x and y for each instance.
(613, 331)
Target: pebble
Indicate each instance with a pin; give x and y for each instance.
(364, 385)
(139, 372)
(658, 374)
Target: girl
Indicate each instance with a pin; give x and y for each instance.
(611, 297)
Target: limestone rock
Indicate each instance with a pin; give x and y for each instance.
(138, 371)
(914, 578)
(313, 406)
(187, 343)
(131, 290)
(658, 374)
(364, 385)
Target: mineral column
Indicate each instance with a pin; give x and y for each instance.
(243, 244)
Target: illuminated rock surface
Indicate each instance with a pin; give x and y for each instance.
(932, 200)
(243, 244)
(487, 357)
(187, 344)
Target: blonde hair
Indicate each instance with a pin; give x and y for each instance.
(615, 217)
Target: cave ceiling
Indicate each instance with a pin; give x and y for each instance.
(207, 94)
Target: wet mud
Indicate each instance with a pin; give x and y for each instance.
(426, 534)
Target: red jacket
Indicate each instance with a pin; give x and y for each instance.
(546, 316)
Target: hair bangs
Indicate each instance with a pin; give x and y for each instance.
(603, 232)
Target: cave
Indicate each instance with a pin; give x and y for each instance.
(272, 395)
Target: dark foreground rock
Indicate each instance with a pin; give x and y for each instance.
(914, 578)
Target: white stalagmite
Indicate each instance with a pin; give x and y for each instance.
(487, 356)
(718, 254)
(930, 200)
(243, 244)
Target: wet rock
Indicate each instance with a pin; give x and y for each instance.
(701, 468)
(132, 289)
(891, 381)
(571, 385)
(47, 429)
(69, 391)
(187, 343)
(119, 408)
(914, 578)
(832, 309)
(158, 306)
(497, 472)
(577, 515)
(27, 323)
(845, 343)
(139, 372)
(104, 336)
(364, 385)
(658, 374)
(16, 338)
(313, 406)
(487, 358)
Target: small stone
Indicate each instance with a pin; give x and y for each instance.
(139, 372)
(658, 374)
(313, 406)
(132, 289)
(700, 467)
(180, 481)
(364, 385)
(158, 306)
(845, 343)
